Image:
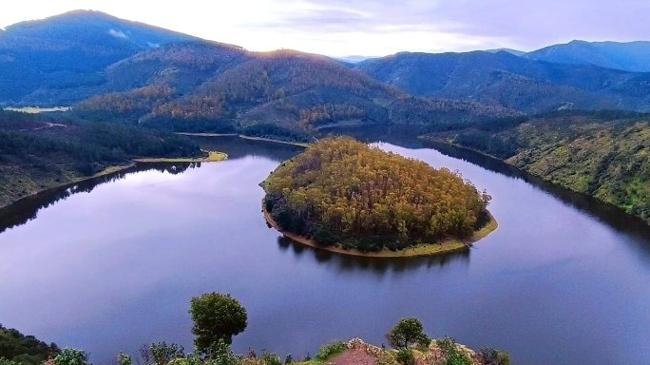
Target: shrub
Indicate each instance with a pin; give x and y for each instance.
(124, 359)
(71, 357)
(221, 354)
(330, 350)
(405, 357)
(490, 356)
(271, 359)
(162, 353)
(217, 317)
(454, 356)
(407, 332)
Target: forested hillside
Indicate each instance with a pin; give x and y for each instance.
(287, 91)
(62, 59)
(22, 349)
(605, 155)
(510, 81)
(37, 153)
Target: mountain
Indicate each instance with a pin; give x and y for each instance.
(630, 56)
(193, 87)
(62, 59)
(510, 81)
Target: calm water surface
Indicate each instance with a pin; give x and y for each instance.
(108, 267)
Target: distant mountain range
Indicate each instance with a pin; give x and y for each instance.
(511, 81)
(630, 56)
(111, 68)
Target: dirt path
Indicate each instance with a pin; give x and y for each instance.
(355, 356)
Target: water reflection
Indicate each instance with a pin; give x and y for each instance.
(27, 208)
(379, 266)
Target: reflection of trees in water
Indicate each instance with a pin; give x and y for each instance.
(237, 147)
(27, 208)
(379, 266)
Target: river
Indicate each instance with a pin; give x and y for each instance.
(109, 265)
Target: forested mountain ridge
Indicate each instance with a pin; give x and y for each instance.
(597, 154)
(627, 56)
(511, 81)
(62, 59)
(289, 91)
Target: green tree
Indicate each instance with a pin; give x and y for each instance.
(407, 332)
(71, 357)
(217, 317)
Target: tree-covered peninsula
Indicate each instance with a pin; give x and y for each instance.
(343, 194)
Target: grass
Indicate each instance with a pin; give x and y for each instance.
(212, 156)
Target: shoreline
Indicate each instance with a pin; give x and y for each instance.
(110, 170)
(444, 247)
(243, 136)
(114, 169)
(213, 156)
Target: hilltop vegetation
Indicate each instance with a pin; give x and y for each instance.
(604, 155)
(22, 349)
(37, 153)
(343, 191)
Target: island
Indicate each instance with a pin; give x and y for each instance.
(346, 197)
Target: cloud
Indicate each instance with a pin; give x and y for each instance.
(118, 34)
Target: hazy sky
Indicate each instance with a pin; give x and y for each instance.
(364, 27)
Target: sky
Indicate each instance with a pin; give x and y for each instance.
(371, 28)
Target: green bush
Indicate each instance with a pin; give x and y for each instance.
(71, 357)
(490, 356)
(221, 354)
(454, 356)
(271, 359)
(330, 350)
(217, 317)
(162, 353)
(405, 357)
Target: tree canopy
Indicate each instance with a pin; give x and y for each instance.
(342, 191)
(217, 317)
